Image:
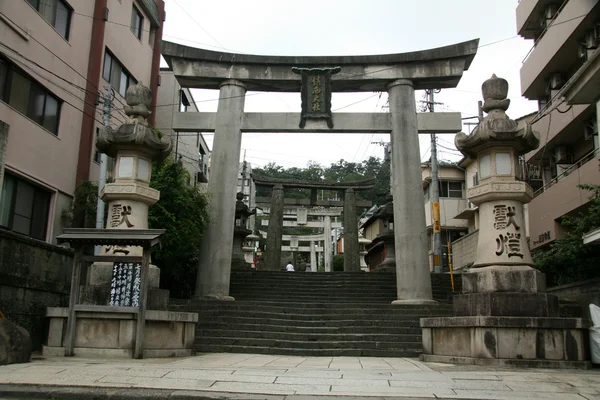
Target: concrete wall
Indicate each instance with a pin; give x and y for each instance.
(449, 208)
(33, 275)
(464, 250)
(186, 145)
(557, 200)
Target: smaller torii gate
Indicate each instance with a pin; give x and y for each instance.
(351, 246)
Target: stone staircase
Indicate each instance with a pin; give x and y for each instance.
(316, 314)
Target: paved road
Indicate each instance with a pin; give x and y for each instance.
(282, 377)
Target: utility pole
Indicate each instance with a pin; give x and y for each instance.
(106, 100)
(435, 196)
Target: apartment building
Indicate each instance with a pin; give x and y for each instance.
(452, 202)
(56, 56)
(562, 73)
(189, 148)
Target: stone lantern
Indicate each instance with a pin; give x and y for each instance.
(240, 232)
(135, 145)
(503, 315)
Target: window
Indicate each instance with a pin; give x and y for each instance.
(56, 12)
(451, 189)
(137, 21)
(114, 73)
(29, 97)
(503, 164)
(485, 166)
(24, 207)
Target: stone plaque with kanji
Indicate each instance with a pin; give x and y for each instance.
(316, 93)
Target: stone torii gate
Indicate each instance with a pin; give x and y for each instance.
(398, 74)
(351, 247)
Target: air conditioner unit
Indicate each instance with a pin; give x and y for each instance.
(582, 51)
(563, 169)
(548, 15)
(590, 129)
(561, 155)
(591, 39)
(556, 81)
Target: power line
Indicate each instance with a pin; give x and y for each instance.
(198, 23)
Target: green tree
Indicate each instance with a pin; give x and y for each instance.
(338, 263)
(569, 260)
(182, 211)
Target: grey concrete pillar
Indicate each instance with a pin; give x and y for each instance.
(3, 148)
(313, 257)
(214, 265)
(351, 248)
(319, 260)
(328, 243)
(596, 136)
(273, 251)
(410, 234)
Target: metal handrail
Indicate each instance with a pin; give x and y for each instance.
(576, 165)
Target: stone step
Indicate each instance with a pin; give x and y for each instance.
(318, 308)
(406, 322)
(311, 305)
(329, 352)
(310, 337)
(228, 327)
(399, 315)
(306, 344)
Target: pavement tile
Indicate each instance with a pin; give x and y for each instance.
(304, 373)
(542, 387)
(241, 387)
(457, 384)
(219, 376)
(337, 382)
(509, 395)
(472, 375)
(366, 374)
(256, 372)
(142, 372)
(420, 376)
(391, 391)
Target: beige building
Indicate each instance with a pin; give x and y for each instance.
(189, 148)
(55, 57)
(452, 202)
(562, 73)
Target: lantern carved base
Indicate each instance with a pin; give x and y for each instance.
(506, 341)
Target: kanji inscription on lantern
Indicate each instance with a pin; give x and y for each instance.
(316, 93)
(119, 215)
(125, 284)
(509, 243)
(504, 216)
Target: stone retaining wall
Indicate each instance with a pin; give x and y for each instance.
(33, 275)
(582, 293)
(464, 250)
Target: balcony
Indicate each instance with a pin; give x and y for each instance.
(529, 25)
(557, 47)
(561, 196)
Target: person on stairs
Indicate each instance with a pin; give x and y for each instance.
(289, 267)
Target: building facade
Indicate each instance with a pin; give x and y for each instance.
(453, 201)
(56, 56)
(189, 148)
(562, 73)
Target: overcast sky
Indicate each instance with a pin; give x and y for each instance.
(351, 27)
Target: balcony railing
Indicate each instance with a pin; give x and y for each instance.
(575, 166)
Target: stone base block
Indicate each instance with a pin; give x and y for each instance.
(506, 338)
(111, 333)
(158, 299)
(15, 343)
(100, 273)
(496, 362)
(505, 304)
(499, 278)
(87, 352)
